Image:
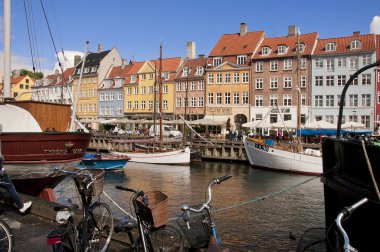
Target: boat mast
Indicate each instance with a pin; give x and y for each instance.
(299, 144)
(7, 49)
(73, 115)
(160, 94)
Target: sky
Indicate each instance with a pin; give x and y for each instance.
(136, 28)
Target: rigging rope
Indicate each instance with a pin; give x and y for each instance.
(30, 42)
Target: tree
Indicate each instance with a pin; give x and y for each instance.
(37, 75)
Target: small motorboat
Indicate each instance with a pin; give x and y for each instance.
(103, 161)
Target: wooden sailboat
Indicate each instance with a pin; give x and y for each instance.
(292, 158)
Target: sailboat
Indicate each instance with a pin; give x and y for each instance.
(30, 153)
(158, 155)
(290, 158)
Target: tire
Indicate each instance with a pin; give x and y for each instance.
(6, 237)
(100, 227)
(164, 239)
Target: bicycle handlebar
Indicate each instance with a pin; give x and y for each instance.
(342, 216)
(78, 173)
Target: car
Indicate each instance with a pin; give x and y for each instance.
(168, 131)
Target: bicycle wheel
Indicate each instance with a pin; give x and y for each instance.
(100, 227)
(6, 237)
(164, 239)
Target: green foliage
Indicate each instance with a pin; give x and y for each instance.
(37, 75)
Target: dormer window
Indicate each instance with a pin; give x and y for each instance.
(59, 79)
(241, 59)
(199, 70)
(300, 47)
(93, 69)
(86, 69)
(265, 50)
(133, 78)
(282, 49)
(356, 44)
(166, 75)
(330, 47)
(216, 61)
(185, 72)
(119, 82)
(78, 70)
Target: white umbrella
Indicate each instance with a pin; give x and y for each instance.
(352, 125)
(285, 124)
(257, 124)
(205, 121)
(319, 125)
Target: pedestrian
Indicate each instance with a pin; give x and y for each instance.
(7, 184)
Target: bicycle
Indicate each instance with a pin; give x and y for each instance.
(342, 216)
(94, 231)
(7, 242)
(199, 229)
(151, 218)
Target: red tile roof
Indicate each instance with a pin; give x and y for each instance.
(192, 64)
(168, 64)
(290, 42)
(120, 71)
(66, 74)
(234, 44)
(16, 80)
(343, 44)
(377, 38)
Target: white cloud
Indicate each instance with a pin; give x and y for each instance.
(375, 25)
(21, 62)
(68, 60)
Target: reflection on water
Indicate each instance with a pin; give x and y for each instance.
(259, 225)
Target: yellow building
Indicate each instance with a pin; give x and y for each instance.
(21, 88)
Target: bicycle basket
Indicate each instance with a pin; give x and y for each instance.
(156, 213)
(200, 230)
(96, 188)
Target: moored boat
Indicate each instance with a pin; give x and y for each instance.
(103, 161)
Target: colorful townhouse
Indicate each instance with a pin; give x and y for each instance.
(333, 62)
(21, 88)
(56, 88)
(280, 77)
(377, 80)
(96, 67)
(111, 92)
(228, 77)
(190, 86)
(142, 89)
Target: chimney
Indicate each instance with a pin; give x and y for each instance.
(243, 29)
(191, 50)
(201, 56)
(77, 59)
(100, 49)
(292, 31)
(122, 63)
(356, 33)
(56, 71)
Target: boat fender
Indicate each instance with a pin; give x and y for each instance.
(48, 194)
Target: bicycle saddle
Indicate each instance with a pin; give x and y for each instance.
(125, 225)
(68, 207)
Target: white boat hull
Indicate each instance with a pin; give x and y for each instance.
(267, 157)
(176, 157)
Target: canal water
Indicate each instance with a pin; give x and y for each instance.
(255, 210)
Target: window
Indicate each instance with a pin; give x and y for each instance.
(341, 80)
(236, 77)
(150, 104)
(259, 83)
(265, 50)
(101, 97)
(165, 89)
(143, 76)
(136, 90)
(93, 69)
(218, 98)
(184, 86)
(133, 78)
(329, 101)
(274, 83)
(259, 66)
(210, 78)
(200, 102)
(341, 62)
(303, 63)
(193, 86)
(210, 98)
(112, 96)
(366, 100)
(273, 100)
(216, 61)
(353, 63)
(330, 80)
(352, 118)
(201, 85)
(236, 98)
(241, 59)
(143, 90)
(119, 96)
(355, 44)
(303, 99)
(288, 64)
(219, 78)
(129, 105)
(185, 72)
(303, 81)
(21, 86)
(150, 89)
(245, 78)
(227, 98)
(178, 102)
(318, 100)
(366, 79)
(150, 76)
(258, 100)
(287, 82)
(86, 69)
(193, 102)
(353, 100)
(367, 60)
(273, 65)
(329, 118)
(282, 49)
(378, 97)
(330, 65)
(318, 63)
(330, 47)
(178, 86)
(165, 104)
(245, 98)
(300, 47)
(355, 81)
(318, 81)
(365, 119)
(199, 70)
(227, 78)
(166, 76)
(119, 111)
(136, 105)
(287, 100)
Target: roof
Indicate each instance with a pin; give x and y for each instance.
(192, 64)
(234, 44)
(377, 38)
(289, 42)
(120, 71)
(343, 44)
(54, 77)
(168, 64)
(93, 59)
(16, 80)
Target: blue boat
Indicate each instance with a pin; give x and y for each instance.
(103, 161)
